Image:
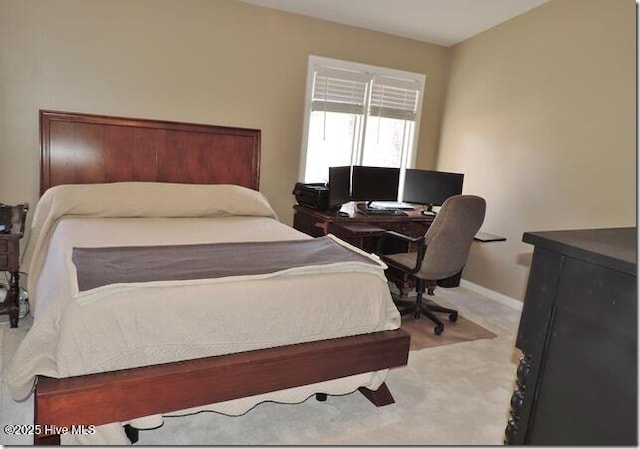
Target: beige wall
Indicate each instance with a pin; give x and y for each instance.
(540, 116)
(209, 61)
(540, 110)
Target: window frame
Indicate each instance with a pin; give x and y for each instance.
(408, 160)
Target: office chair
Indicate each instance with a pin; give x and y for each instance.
(442, 253)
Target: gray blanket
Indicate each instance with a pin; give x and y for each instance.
(97, 267)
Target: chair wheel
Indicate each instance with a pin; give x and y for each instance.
(438, 329)
(453, 317)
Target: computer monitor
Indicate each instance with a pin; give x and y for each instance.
(339, 186)
(375, 183)
(431, 187)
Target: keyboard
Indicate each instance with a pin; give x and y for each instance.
(391, 205)
(383, 212)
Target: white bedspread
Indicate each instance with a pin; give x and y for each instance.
(184, 321)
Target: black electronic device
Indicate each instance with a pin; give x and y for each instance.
(5, 218)
(339, 186)
(314, 195)
(375, 183)
(431, 188)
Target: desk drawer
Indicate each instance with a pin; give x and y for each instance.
(309, 225)
(4, 262)
(4, 246)
(410, 228)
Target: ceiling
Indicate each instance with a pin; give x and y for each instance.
(442, 22)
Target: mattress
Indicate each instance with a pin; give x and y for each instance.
(181, 321)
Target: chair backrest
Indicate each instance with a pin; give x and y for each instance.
(450, 236)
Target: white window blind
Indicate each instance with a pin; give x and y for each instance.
(336, 90)
(394, 98)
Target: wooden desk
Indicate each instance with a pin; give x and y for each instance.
(577, 379)
(10, 261)
(363, 231)
(318, 223)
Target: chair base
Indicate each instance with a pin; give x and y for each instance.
(418, 308)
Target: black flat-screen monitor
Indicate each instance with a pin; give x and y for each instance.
(431, 187)
(339, 186)
(375, 183)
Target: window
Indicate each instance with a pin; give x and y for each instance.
(359, 115)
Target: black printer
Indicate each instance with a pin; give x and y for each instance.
(314, 195)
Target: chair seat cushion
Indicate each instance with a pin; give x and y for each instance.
(407, 261)
(403, 260)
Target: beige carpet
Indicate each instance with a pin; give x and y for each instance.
(462, 330)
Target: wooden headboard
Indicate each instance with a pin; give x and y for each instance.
(87, 149)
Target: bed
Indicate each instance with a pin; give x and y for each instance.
(240, 343)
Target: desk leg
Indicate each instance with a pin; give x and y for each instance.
(431, 287)
(404, 289)
(12, 299)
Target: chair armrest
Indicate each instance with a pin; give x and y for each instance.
(422, 248)
(404, 237)
(399, 236)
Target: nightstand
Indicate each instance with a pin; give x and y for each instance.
(10, 262)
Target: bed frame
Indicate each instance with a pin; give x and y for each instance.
(81, 149)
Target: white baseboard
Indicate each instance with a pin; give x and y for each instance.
(492, 294)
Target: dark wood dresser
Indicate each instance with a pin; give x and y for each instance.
(577, 379)
(10, 262)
